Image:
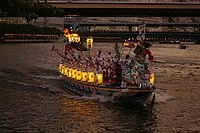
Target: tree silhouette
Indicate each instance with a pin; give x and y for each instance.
(30, 9)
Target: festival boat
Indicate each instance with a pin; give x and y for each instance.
(83, 76)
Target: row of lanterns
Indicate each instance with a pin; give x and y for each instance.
(79, 75)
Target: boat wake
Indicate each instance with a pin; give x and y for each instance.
(48, 77)
(99, 98)
(27, 85)
(162, 97)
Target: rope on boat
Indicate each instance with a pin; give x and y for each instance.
(63, 56)
(57, 51)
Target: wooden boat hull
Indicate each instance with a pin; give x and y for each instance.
(122, 95)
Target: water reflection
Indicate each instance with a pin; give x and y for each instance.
(92, 116)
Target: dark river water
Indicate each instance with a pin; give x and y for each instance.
(32, 100)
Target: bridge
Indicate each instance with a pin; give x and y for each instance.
(164, 36)
(151, 36)
(104, 8)
(136, 24)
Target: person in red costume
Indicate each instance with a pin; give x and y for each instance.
(150, 56)
(147, 51)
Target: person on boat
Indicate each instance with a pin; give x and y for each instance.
(123, 83)
(105, 69)
(109, 54)
(135, 75)
(142, 50)
(118, 73)
(68, 58)
(100, 58)
(98, 68)
(125, 64)
(108, 66)
(132, 74)
(148, 52)
(105, 73)
(145, 75)
(91, 61)
(139, 51)
(111, 59)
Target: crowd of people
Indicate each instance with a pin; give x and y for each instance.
(127, 70)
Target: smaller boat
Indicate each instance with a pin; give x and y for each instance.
(128, 42)
(73, 39)
(183, 46)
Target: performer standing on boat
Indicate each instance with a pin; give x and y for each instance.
(125, 64)
(100, 58)
(145, 76)
(148, 52)
(118, 72)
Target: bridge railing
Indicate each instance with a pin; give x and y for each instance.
(117, 1)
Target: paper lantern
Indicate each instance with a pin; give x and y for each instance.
(60, 67)
(152, 78)
(78, 75)
(66, 71)
(89, 43)
(63, 69)
(90, 77)
(70, 72)
(84, 76)
(74, 73)
(99, 78)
